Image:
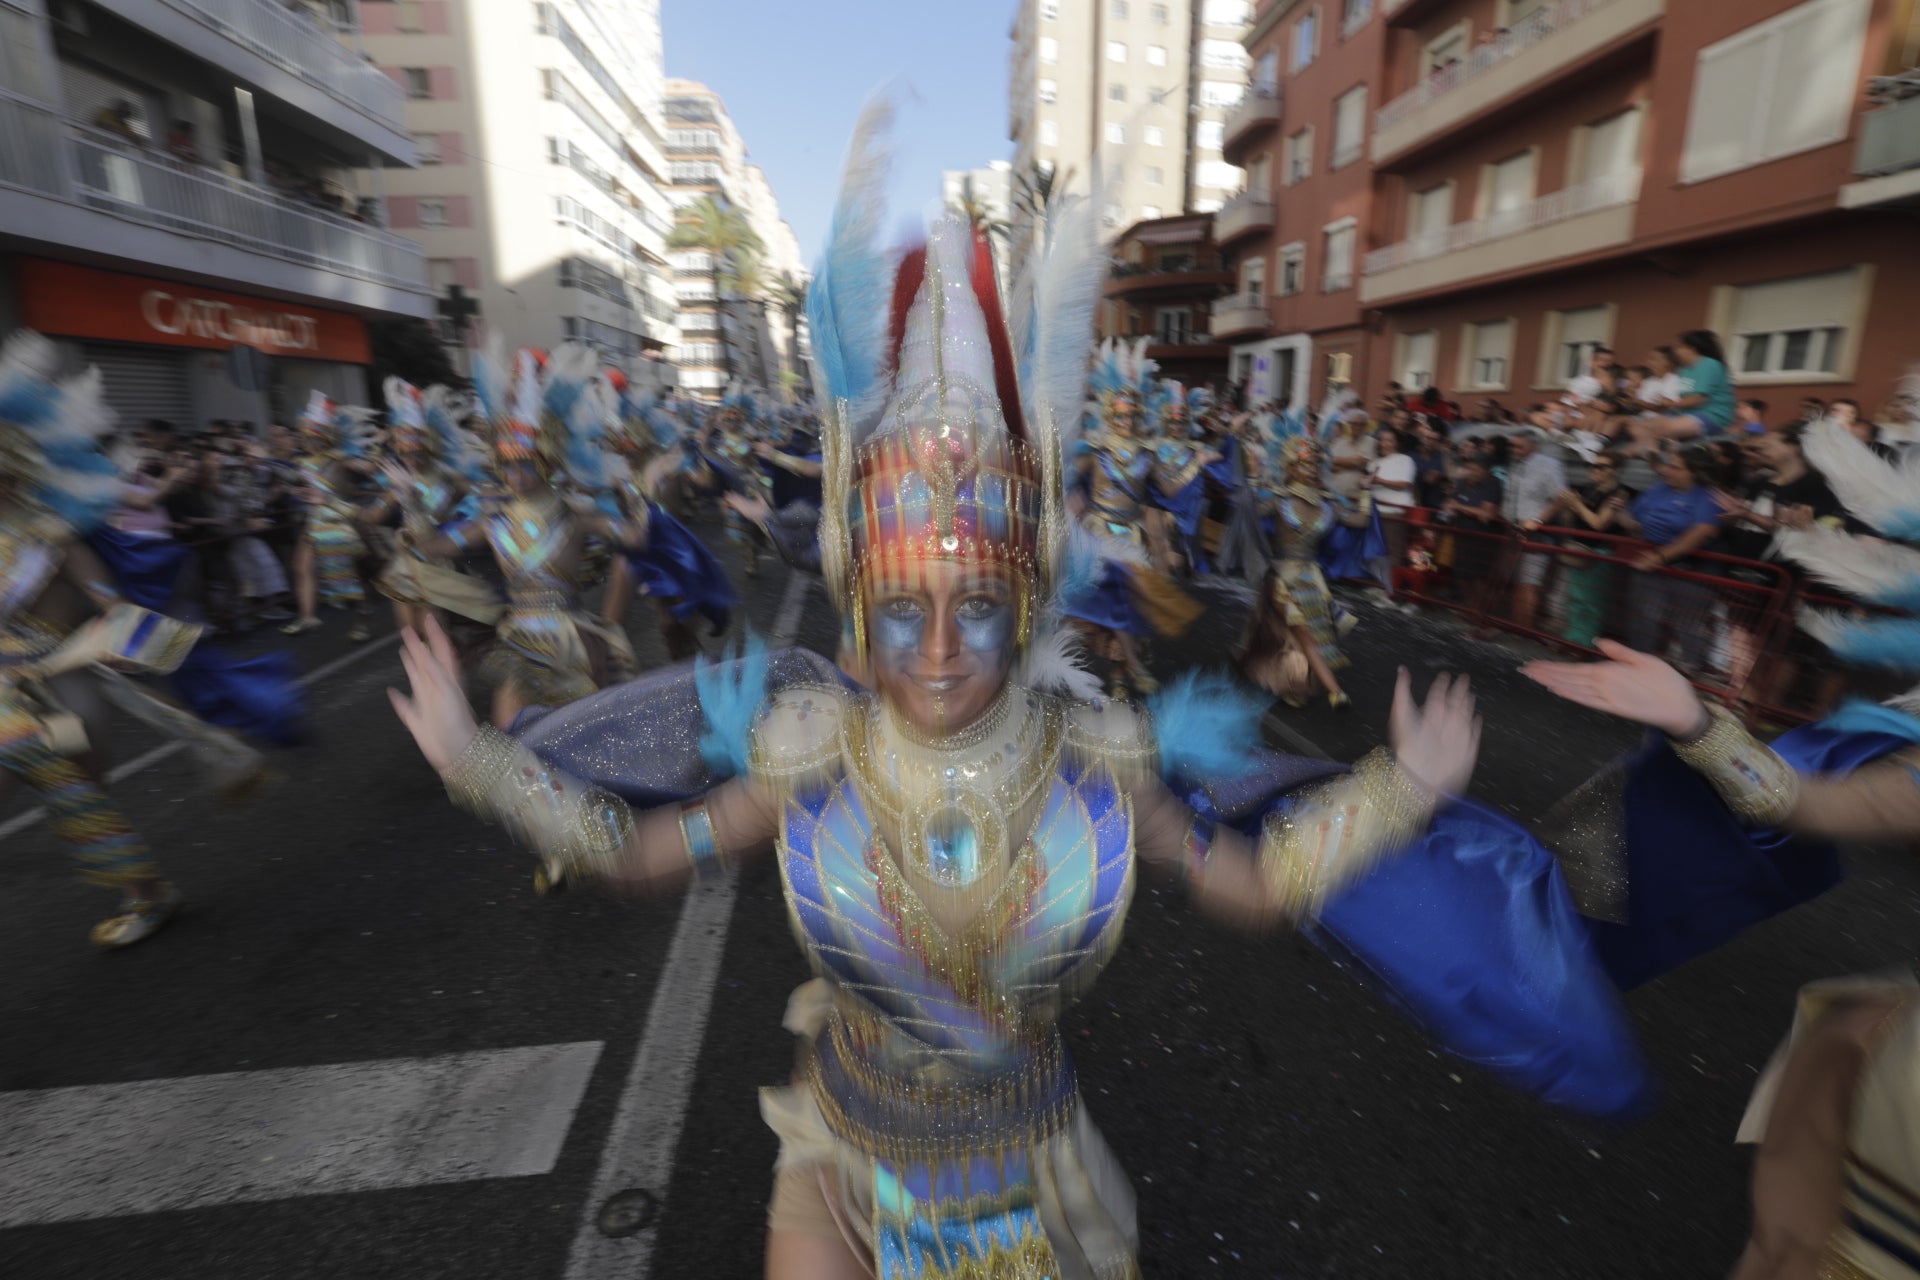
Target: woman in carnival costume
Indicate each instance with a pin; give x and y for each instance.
(959, 848)
(1293, 636)
(726, 448)
(68, 635)
(1836, 1183)
(327, 563)
(1117, 474)
(433, 480)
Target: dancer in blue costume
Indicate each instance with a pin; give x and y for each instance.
(1748, 825)
(959, 848)
(68, 635)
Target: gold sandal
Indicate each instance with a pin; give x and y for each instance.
(139, 918)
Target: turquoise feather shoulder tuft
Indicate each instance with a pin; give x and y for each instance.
(1206, 726)
(732, 692)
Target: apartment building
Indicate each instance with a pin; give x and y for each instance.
(741, 326)
(541, 191)
(1548, 176)
(178, 181)
(1134, 91)
(1166, 274)
(1295, 316)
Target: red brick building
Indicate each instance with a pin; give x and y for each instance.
(1542, 176)
(1166, 274)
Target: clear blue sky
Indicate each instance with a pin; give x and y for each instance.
(795, 76)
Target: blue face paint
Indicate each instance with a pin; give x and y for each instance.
(985, 626)
(898, 625)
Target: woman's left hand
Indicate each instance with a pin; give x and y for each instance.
(1632, 685)
(1436, 744)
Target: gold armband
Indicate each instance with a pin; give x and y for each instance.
(582, 828)
(1338, 830)
(704, 852)
(1756, 784)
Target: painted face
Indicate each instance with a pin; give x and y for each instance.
(943, 644)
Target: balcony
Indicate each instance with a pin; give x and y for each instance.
(1248, 213)
(1238, 315)
(66, 184)
(1569, 223)
(1204, 276)
(1257, 114)
(288, 55)
(1888, 159)
(1544, 46)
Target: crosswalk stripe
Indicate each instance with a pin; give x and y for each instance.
(103, 1151)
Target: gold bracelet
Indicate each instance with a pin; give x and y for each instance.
(1760, 787)
(583, 828)
(1339, 830)
(704, 851)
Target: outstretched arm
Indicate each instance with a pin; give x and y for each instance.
(584, 828)
(1334, 831)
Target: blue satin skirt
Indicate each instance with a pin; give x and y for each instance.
(677, 567)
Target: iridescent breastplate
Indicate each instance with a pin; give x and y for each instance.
(429, 504)
(533, 548)
(1118, 488)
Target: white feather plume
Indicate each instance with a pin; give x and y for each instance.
(1054, 662)
(1869, 569)
(1882, 495)
(1052, 320)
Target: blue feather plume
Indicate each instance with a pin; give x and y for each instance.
(847, 301)
(1206, 727)
(731, 695)
(1891, 644)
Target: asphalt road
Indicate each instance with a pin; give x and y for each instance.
(1275, 1117)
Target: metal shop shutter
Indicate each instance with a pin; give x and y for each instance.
(143, 382)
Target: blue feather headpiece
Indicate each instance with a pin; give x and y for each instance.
(50, 434)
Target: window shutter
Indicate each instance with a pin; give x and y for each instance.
(1588, 324)
(1803, 302)
(1818, 73)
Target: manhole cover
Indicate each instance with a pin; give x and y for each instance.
(627, 1213)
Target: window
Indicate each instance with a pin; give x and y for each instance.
(1155, 136)
(1117, 134)
(419, 82)
(1158, 13)
(1516, 12)
(1049, 49)
(1298, 157)
(1049, 92)
(1508, 186)
(1266, 74)
(1208, 134)
(1119, 10)
(1349, 127)
(1782, 86)
(1049, 133)
(557, 151)
(1430, 213)
(1116, 93)
(1354, 15)
(1148, 212)
(1173, 326)
(1339, 260)
(426, 148)
(1413, 359)
(1116, 173)
(1156, 176)
(1260, 173)
(1581, 333)
(1219, 93)
(1797, 326)
(1306, 39)
(433, 211)
(1445, 50)
(406, 17)
(1223, 54)
(1486, 350)
(1049, 10)
(1156, 55)
(1226, 13)
(1293, 269)
(1116, 51)
(1253, 276)
(1610, 146)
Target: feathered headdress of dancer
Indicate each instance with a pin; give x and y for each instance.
(1122, 382)
(50, 434)
(446, 412)
(407, 415)
(579, 412)
(1885, 497)
(347, 428)
(1166, 408)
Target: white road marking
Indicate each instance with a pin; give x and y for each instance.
(21, 821)
(103, 1151)
(645, 1133)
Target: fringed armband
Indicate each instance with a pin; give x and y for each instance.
(565, 821)
(1338, 830)
(1756, 784)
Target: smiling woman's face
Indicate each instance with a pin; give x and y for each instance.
(943, 643)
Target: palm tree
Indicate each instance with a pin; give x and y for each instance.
(790, 295)
(724, 234)
(976, 209)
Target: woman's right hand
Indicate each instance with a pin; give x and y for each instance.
(437, 714)
(1632, 685)
(1436, 744)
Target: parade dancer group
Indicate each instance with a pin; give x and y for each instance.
(960, 800)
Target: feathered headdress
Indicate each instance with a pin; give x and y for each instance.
(446, 412)
(1122, 381)
(406, 414)
(348, 428)
(50, 434)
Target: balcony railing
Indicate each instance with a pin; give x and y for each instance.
(1247, 212)
(1259, 109)
(1605, 192)
(1529, 31)
(297, 44)
(42, 152)
(1889, 139)
(1238, 313)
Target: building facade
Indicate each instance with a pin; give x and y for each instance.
(178, 181)
(1548, 176)
(1132, 94)
(1166, 275)
(742, 323)
(541, 192)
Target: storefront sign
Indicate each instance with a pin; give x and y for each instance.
(81, 302)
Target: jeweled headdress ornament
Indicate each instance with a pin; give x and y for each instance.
(943, 428)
